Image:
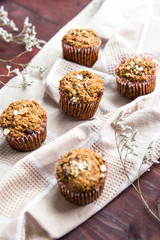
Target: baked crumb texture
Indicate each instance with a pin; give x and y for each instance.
(81, 175)
(80, 94)
(24, 125)
(81, 46)
(136, 76)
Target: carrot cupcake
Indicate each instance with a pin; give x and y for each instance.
(24, 125)
(81, 46)
(136, 76)
(81, 176)
(80, 94)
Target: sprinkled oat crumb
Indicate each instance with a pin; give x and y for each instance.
(6, 131)
(81, 170)
(136, 69)
(22, 117)
(87, 87)
(81, 38)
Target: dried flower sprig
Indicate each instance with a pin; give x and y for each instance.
(26, 37)
(125, 138)
(5, 21)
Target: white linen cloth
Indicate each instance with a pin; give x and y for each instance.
(30, 202)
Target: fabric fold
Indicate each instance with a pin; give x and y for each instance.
(47, 206)
(31, 204)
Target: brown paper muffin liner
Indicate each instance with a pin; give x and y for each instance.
(132, 90)
(83, 56)
(81, 198)
(30, 142)
(78, 110)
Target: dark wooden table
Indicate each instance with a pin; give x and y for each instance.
(125, 217)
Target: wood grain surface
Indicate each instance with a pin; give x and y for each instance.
(125, 217)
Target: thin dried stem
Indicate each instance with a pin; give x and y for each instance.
(144, 201)
(12, 60)
(130, 150)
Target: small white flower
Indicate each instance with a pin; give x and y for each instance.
(130, 145)
(127, 135)
(5, 21)
(16, 71)
(26, 22)
(150, 155)
(28, 37)
(128, 127)
(121, 126)
(13, 26)
(5, 36)
(8, 67)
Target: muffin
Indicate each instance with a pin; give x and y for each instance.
(24, 125)
(81, 46)
(80, 94)
(81, 176)
(136, 76)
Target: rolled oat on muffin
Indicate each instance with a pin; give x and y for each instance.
(136, 76)
(81, 46)
(81, 175)
(24, 125)
(80, 94)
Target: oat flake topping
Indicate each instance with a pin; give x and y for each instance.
(81, 169)
(81, 38)
(79, 77)
(15, 112)
(136, 69)
(22, 117)
(103, 168)
(81, 86)
(6, 131)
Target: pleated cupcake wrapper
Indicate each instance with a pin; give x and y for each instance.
(81, 198)
(133, 90)
(78, 110)
(130, 89)
(30, 142)
(82, 56)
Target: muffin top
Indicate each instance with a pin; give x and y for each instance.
(81, 38)
(81, 86)
(81, 170)
(136, 69)
(22, 118)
